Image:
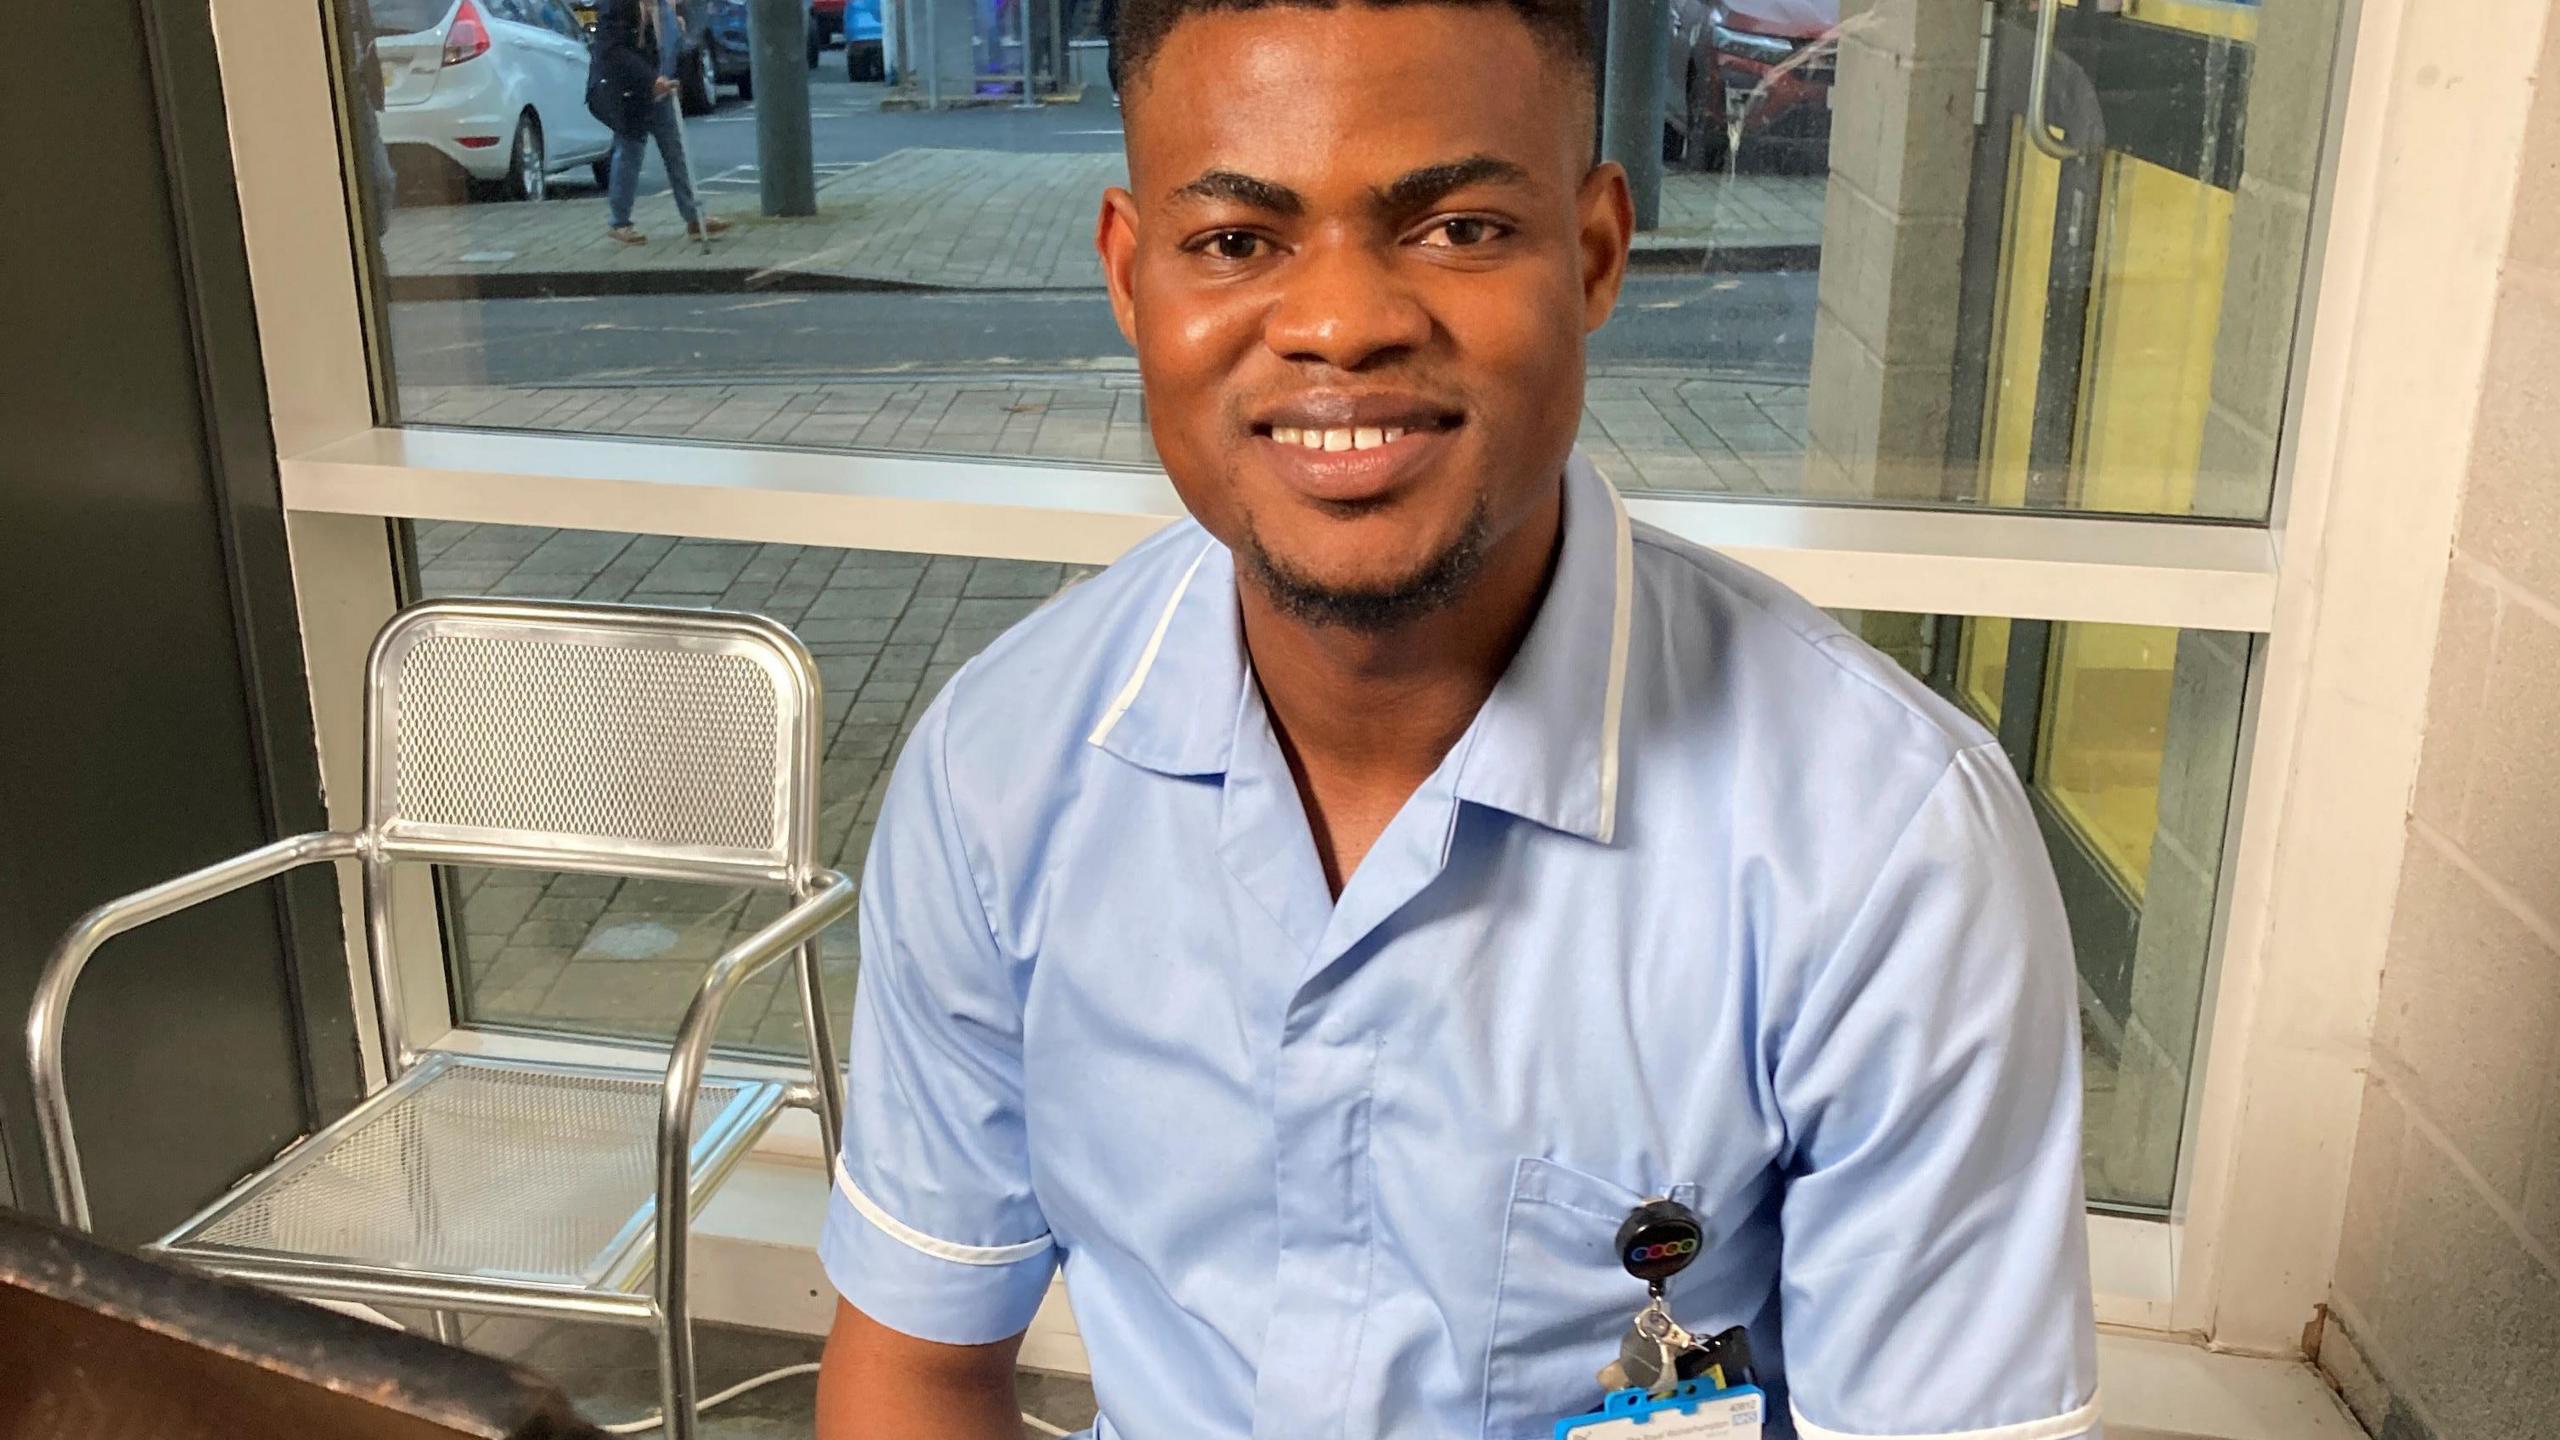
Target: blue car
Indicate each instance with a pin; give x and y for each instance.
(864, 59)
(715, 56)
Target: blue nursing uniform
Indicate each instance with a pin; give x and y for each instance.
(1710, 901)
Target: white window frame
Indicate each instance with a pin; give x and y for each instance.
(2345, 585)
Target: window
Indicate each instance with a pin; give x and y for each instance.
(586, 955)
(556, 15)
(2129, 765)
(1868, 280)
(1931, 299)
(407, 17)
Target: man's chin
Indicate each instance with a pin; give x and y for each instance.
(1331, 589)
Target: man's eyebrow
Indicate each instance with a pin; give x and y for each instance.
(1417, 189)
(1244, 190)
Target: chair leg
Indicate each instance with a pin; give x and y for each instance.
(676, 1387)
(824, 1072)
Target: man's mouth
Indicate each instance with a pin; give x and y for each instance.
(1337, 450)
(1341, 438)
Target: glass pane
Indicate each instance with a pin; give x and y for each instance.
(588, 955)
(1984, 669)
(2132, 780)
(1872, 275)
(2136, 740)
(2105, 723)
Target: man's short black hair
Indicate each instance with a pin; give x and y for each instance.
(1564, 26)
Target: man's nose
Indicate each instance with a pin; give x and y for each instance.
(1344, 304)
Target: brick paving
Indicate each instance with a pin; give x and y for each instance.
(596, 955)
(1651, 431)
(955, 219)
(600, 955)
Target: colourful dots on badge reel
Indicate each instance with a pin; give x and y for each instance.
(1667, 1250)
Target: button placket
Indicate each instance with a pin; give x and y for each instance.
(1323, 1117)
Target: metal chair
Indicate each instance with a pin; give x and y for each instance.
(659, 744)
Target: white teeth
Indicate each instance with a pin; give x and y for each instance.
(1364, 437)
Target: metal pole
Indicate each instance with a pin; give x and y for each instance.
(1057, 45)
(778, 56)
(932, 57)
(1631, 107)
(1028, 101)
(700, 228)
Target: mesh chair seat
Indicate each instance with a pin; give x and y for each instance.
(475, 1170)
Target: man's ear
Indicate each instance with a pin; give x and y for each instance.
(1608, 214)
(1115, 238)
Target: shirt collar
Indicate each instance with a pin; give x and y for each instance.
(1545, 745)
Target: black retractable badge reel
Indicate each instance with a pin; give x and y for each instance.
(1658, 1240)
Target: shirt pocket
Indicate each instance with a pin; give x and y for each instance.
(1562, 1302)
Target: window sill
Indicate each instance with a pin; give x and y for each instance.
(2099, 569)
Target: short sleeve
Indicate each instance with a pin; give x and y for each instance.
(1936, 1274)
(933, 1229)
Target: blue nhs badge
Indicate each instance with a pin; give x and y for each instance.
(1696, 1409)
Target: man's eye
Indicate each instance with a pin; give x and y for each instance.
(1232, 245)
(1464, 231)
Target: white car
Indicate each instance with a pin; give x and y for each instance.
(497, 88)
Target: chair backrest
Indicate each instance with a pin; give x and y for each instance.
(680, 744)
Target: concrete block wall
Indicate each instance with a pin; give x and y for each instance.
(2133, 1139)
(2293, 65)
(2445, 1309)
(1893, 223)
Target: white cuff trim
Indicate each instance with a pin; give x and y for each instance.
(922, 1243)
(2059, 1427)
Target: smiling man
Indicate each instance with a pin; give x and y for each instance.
(1321, 931)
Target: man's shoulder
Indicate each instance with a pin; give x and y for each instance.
(1042, 684)
(1735, 642)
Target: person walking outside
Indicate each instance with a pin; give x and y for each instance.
(633, 91)
(1106, 23)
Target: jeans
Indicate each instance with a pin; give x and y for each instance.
(628, 150)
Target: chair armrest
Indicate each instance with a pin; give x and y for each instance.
(832, 899)
(71, 956)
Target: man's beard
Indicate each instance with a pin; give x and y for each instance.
(1373, 609)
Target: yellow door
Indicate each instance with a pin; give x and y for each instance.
(2095, 271)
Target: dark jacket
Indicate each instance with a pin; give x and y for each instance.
(622, 69)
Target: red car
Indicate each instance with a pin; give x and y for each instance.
(1767, 64)
(826, 25)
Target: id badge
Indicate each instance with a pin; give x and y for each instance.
(1695, 1411)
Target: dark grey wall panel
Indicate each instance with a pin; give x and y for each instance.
(152, 709)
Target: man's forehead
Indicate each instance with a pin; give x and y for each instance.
(1351, 98)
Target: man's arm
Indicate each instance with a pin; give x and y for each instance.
(934, 1237)
(1936, 1276)
(876, 1383)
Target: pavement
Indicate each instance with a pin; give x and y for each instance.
(622, 957)
(1757, 325)
(924, 218)
(1650, 430)
(607, 956)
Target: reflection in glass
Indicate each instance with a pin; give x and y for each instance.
(2130, 736)
(2126, 738)
(1873, 279)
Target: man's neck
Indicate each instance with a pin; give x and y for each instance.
(1363, 716)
